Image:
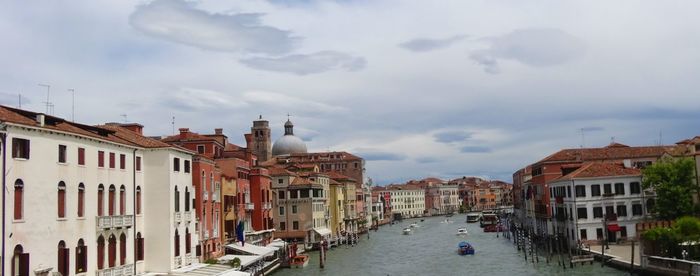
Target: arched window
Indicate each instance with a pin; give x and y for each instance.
(177, 243)
(204, 184)
(100, 252)
(19, 199)
(61, 199)
(177, 200)
(81, 200)
(139, 247)
(110, 202)
(100, 200)
(20, 262)
(122, 200)
(211, 184)
(112, 252)
(63, 258)
(122, 249)
(138, 200)
(187, 199)
(188, 242)
(80, 257)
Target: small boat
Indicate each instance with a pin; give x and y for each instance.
(473, 217)
(414, 225)
(421, 220)
(447, 221)
(299, 261)
(407, 231)
(449, 215)
(462, 231)
(464, 248)
(493, 228)
(488, 219)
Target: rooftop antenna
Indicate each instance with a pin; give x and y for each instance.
(661, 138)
(48, 92)
(583, 140)
(173, 123)
(124, 116)
(72, 107)
(19, 98)
(612, 140)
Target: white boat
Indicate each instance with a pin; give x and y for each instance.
(413, 225)
(462, 231)
(447, 221)
(473, 217)
(407, 231)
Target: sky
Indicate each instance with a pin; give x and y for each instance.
(417, 88)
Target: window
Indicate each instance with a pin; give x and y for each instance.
(20, 148)
(176, 164)
(61, 199)
(595, 190)
(582, 213)
(187, 199)
(122, 200)
(597, 212)
(138, 200)
(81, 156)
(100, 252)
(80, 257)
(100, 200)
(294, 209)
(599, 233)
(200, 149)
(20, 261)
(584, 235)
(122, 249)
(187, 166)
(580, 191)
(112, 251)
(568, 191)
(177, 243)
(188, 242)
(623, 231)
(635, 188)
(636, 209)
(280, 195)
(63, 258)
(281, 210)
(101, 159)
(139, 247)
(280, 181)
(111, 199)
(122, 161)
(283, 226)
(81, 200)
(19, 199)
(111, 160)
(62, 153)
(295, 225)
(621, 210)
(138, 163)
(609, 210)
(177, 200)
(619, 188)
(607, 189)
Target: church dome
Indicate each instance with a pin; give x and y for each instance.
(288, 143)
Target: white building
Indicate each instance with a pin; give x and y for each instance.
(599, 201)
(78, 198)
(409, 201)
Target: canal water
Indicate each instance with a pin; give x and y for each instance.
(432, 250)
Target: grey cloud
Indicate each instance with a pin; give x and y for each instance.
(424, 160)
(426, 44)
(475, 149)
(594, 128)
(452, 136)
(533, 47)
(307, 64)
(180, 22)
(377, 155)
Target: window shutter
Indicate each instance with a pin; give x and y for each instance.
(18, 202)
(199, 250)
(24, 264)
(63, 260)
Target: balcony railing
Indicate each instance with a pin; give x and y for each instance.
(267, 205)
(216, 233)
(177, 262)
(188, 216)
(206, 234)
(124, 270)
(249, 206)
(206, 195)
(178, 217)
(106, 222)
(215, 196)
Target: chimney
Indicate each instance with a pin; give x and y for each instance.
(248, 140)
(627, 163)
(183, 132)
(138, 128)
(219, 131)
(40, 118)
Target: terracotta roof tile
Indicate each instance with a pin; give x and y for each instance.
(601, 169)
(607, 153)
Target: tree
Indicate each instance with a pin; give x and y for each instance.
(674, 183)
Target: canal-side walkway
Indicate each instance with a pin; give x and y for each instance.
(620, 254)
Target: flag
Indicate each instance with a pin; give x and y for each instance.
(240, 235)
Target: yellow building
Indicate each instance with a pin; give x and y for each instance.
(337, 207)
(228, 219)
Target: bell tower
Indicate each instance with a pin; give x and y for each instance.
(262, 143)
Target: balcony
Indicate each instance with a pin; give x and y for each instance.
(249, 206)
(205, 196)
(177, 262)
(124, 270)
(267, 205)
(188, 216)
(178, 217)
(107, 222)
(189, 259)
(206, 234)
(216, 233)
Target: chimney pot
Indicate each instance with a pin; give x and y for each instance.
(218, 131)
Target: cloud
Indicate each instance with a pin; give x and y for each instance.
(378, 155)
(424, 160)
(195, 99)
(593, 128)
(290, 103)
(180, 22)
(452, 136)
(301, 64)
(532, 47)
(475, 149)
(426, 44)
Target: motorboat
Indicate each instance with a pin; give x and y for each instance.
(464, 248)
(413, 225)
(299, 261)
(493, 228)
(488, 219)
(447, 221)
(407, 231)
(473, 217)
(462, 231)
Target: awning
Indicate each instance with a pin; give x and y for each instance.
(613, 227)
(246, 260)
(323, 231)
(251, 249)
